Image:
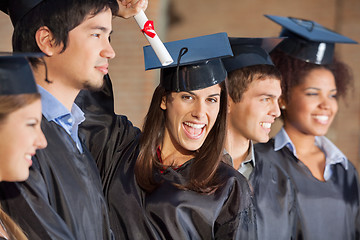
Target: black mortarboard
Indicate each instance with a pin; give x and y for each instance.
(16, 76)
(16, 9)
(308, 40)
(250, 52)
(198, 62)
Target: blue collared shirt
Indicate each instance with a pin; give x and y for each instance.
(332, 154)
(54, 110)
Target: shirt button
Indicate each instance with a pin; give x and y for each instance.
(70, 120)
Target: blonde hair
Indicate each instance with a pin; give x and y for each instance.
(12, 229)
(11, 103)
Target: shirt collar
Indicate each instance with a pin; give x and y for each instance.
(332, 154)
(78, 114)
(281, 140)
(53, 109)
(250, 158)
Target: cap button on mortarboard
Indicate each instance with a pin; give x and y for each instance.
(307, 40)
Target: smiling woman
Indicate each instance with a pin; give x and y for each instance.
(20, 133)
(188, 123)
(170, 182)
(182, 147)
(189, 118)
(322, 186)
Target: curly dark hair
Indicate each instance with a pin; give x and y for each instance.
(294, 71)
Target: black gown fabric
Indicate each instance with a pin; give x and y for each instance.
(226, 214)
(63, 198)
(108, 136)
(274, 198)
(323, 210)
(114, 141)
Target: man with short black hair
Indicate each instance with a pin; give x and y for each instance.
(64, 194)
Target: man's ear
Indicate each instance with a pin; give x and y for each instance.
(44, 40)
(163, 103)
(230, 104)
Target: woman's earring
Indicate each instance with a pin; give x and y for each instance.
(283, 107)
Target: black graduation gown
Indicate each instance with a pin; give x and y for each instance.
(326, 210)
(113, 141)
(274, 198)
(63, 198)
(227, 214)
(107, 136)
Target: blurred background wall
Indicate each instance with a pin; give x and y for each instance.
(178, 19)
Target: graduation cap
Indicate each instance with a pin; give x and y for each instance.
(308, 40)
(16, 9)
(198, 62)
(250, 52)
(16, 76)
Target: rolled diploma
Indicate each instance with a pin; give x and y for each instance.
(155, 42)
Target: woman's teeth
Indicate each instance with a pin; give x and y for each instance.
(265, 125)
(194, 125)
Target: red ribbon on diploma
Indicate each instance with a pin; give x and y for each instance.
(149, 29)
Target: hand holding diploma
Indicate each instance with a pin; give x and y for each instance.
(147, 27)
(129, 8)
(136, 8)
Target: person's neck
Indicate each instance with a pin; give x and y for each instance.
(174, 154)
(56, 87)
(174, 157)
(308, 153)
(303, 143)
(237, 146)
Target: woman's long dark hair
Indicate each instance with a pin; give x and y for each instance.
(202, 177)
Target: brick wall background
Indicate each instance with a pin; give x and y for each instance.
(178, 19)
